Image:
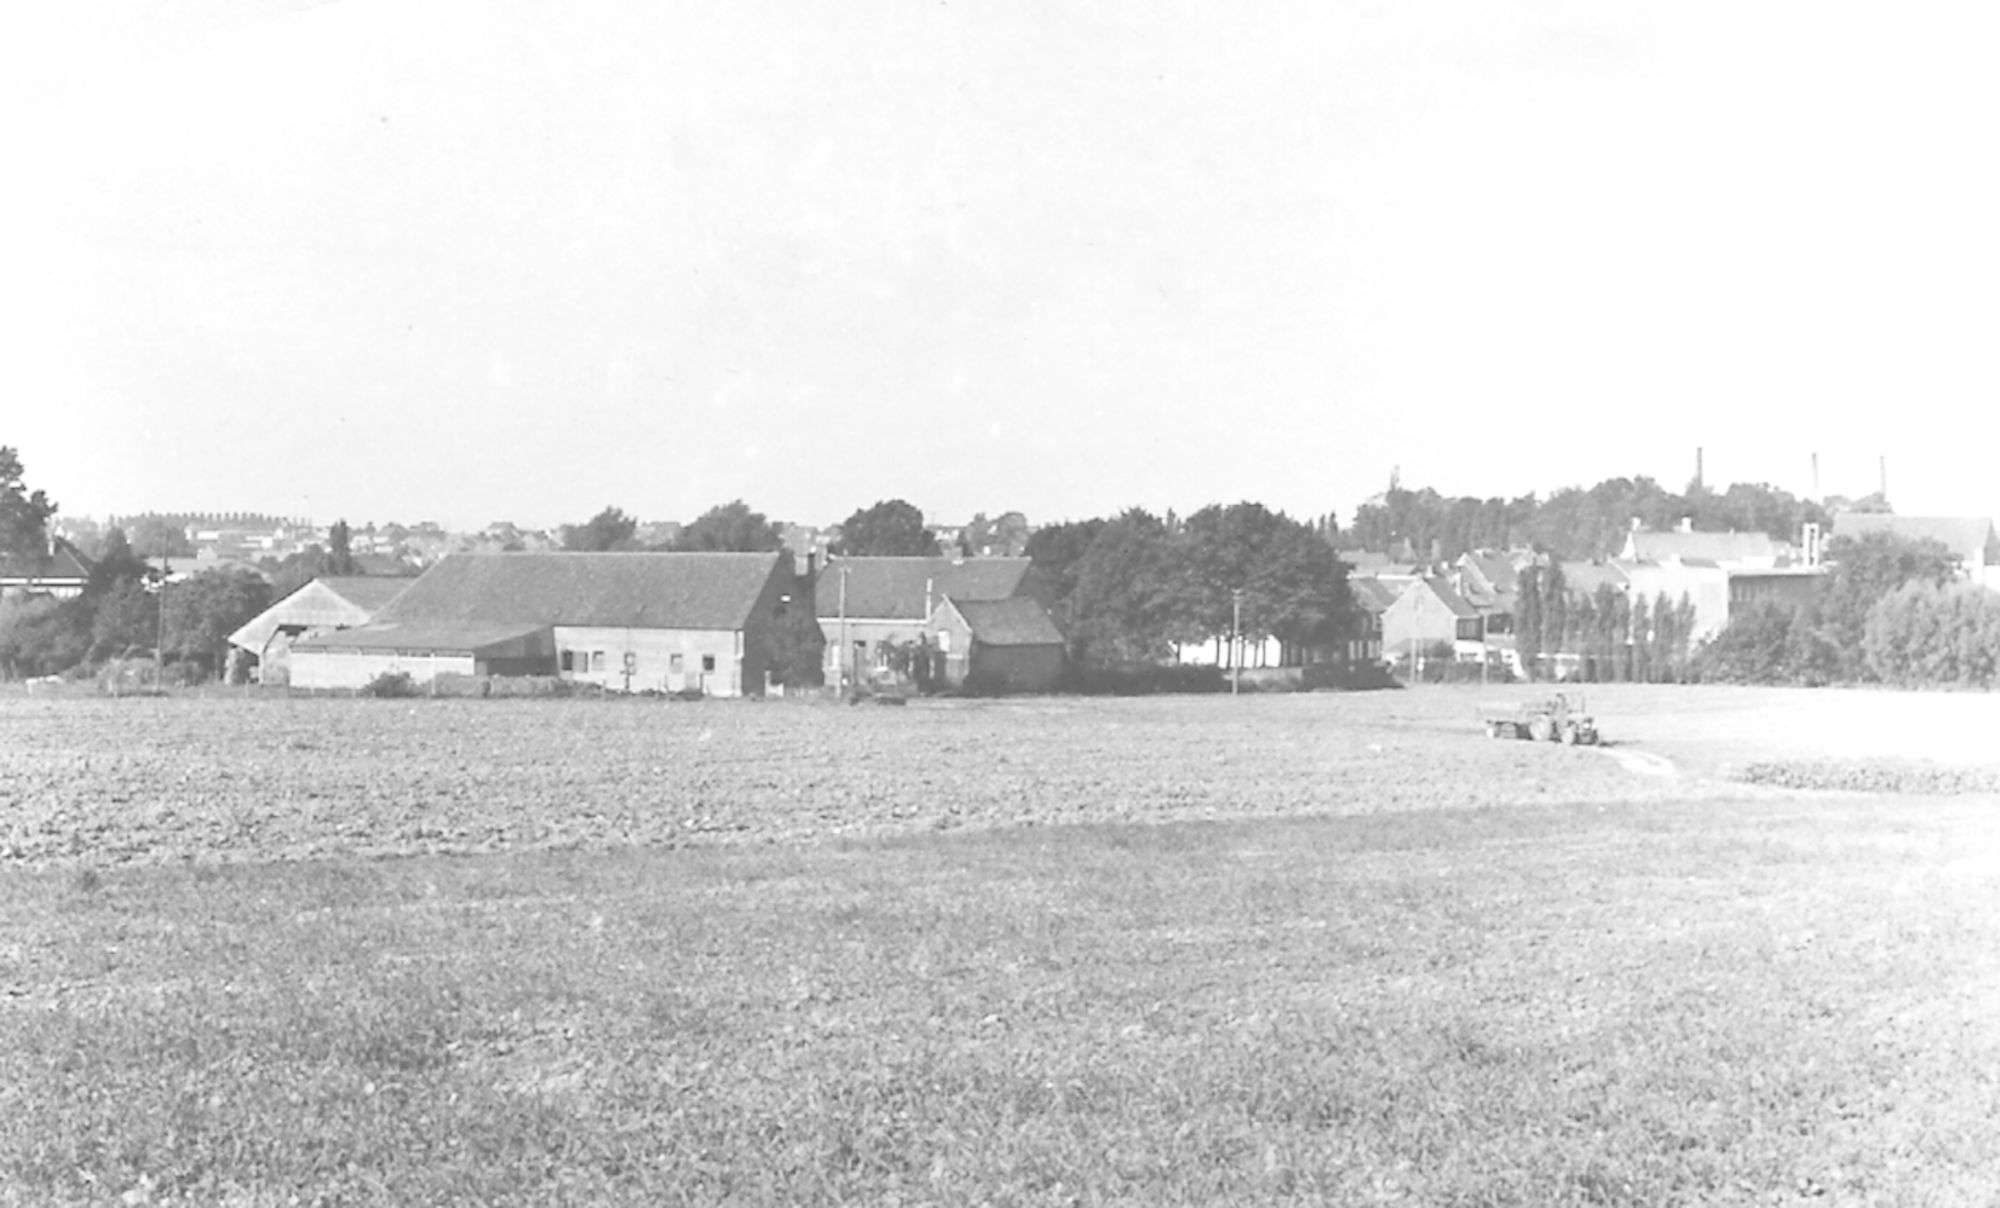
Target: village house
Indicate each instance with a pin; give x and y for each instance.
(62, 573)
(1427, 613)
(871, 602)
(1372, 598)
(327, 604)
(1684, 544)
(997, 645)
(626, 622)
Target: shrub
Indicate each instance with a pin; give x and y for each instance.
(1144, 679)
(390, 684)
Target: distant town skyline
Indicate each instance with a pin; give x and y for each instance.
(467, 261)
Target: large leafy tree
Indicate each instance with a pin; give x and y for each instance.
(1122, 607)
(893, 527)
(731, 526)
(1292, 585)
(610, 529)
(1865, 570)
(203, 610)
(1056, 549)
(42, 636)
(24, 514)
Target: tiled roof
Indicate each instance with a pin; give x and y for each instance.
(441, 636)
(1580, 578)
(1496, 569)
(1373, 594)
(635, 591)
(1969, 538)
(64, 565)
(886, 588)
(369, 592)
(1017, 622)
(1452, 600)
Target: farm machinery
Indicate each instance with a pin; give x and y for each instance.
(1561, 718)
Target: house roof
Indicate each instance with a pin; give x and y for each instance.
(1016, 622)
(365, 591)
(1452, 600)
(62, 565)
(1373, 594)
(1647, 546)
(1497, 569)
(609, 590)
(1969, 538)
(885, 588)
(451, 637)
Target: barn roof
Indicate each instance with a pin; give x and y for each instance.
(1969, 538)
(329, 602)
(884, 588)
(608, 590)
(1016, 622)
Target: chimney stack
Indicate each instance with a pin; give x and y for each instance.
(1882, 464)
(1698, 481)
(1815, 464)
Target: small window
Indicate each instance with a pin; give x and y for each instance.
(944, 640)
(631, 662)
(674, 664)
(597, 660)
(568, 660)
(708, 662)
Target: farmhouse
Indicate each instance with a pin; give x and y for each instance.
(868, 602)
(1729, 550)
(62, 573)
(628, 622)
(1001, 645)
(327, 604)
(1429, 612)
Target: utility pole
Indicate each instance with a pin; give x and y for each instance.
(1236, 641)
(160, 639)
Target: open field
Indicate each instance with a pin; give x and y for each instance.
(1287, 949)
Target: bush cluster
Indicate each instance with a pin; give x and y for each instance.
(1873, 777)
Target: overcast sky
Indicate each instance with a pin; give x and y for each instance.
(469, 260)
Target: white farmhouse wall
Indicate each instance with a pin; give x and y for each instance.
(651, 654)
(341, 670)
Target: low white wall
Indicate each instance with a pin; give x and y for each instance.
(327, 670)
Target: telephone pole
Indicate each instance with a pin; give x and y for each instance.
(1236, 641)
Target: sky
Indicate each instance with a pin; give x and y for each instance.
(474, 260)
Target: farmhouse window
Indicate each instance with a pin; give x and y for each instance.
(568, 660)
(944, 640)
(597, 660)
(708, 662)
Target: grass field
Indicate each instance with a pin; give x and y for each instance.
(1290, 949)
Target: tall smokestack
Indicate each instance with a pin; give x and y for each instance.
(1815, 493)
(1882, 464)
(1697, 466)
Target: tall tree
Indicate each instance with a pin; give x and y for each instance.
(610, 529)
(24, 514)
(1057, 548)
(340, 551)
(891, 528)
(731, 526)
(1528, 619)
(117, 562)
(1866, 569)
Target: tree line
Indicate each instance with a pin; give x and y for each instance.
(1578, 524)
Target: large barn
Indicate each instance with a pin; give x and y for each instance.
(628, 622)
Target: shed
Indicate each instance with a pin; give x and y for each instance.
(868, 602)
(1000, 645)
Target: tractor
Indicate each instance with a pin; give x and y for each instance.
(1561, 718)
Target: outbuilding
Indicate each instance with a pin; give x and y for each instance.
(325, 605)
(997, 645)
